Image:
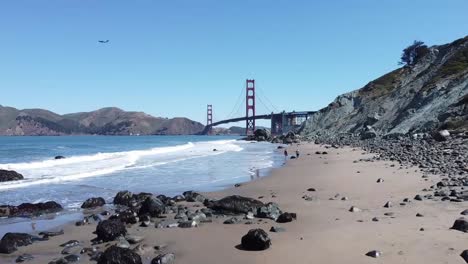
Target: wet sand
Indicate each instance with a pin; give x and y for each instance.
(325, 231)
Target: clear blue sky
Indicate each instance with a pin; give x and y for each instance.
(171, 58)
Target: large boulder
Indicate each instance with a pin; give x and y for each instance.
(129, 199)
(116, 255)
(152, 206)
(461, 224)
(262, 134)
(93, 202)
(269, 210)
(235, 204)
(8, 175)
(108, 230)
(11, 241)
(256, 239)
(191, 196)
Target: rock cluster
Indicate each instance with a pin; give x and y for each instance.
(447, 158)
(29, 209)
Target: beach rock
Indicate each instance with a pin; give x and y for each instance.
(109, 230)
(442, 135)
(461, 224)
(11, 241)
(23, 258)
(152, 206)
(191, 196)
(374, 254)
(418, 197)
(232, 220)
(70, 243)
(59, 157)
(129, 199)
(380, 180)
(8, 175)
(122, 242)
(270, 211)
(47, 234)
(277, 229)
(127, 216)
(58, 261)
(286, 218)
(164, 259)
(72, 258)
(188, 224)
(262, 134)
(116, 255)
(354, 209)
(465, 212)
(29, 209)
(93, 202)
(134, 239)
(464, 255)
(256, 239)
(388, 205)
(235, 205)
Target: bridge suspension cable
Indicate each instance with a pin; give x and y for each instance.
(263, 94)
(240, 100)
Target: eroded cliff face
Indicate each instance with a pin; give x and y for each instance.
(432, 94)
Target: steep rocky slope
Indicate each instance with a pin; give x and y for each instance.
(105, 121)
(427, 95)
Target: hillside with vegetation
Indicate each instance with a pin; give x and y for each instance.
(429, 92)
(105, 121)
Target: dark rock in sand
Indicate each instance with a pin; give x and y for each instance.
(461, 224)
(464, 255)
(72, 258)
(59, 157)
(71, 243)
(93, 202)
(191, 196)
(164, 259)
(47, 234)
(256, 239)
(23, 258)
(418, 197)
(235, 205)
(286, 218)
(269, 210)
(109, 230)
(374, 254)
(232, 220)
(152, 206)
(11, 241)
(127, 216)
(311, 190)
(465, 212)
(116, 255)
(277, 229)
(8, 175)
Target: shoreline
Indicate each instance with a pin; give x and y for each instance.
(325, 231)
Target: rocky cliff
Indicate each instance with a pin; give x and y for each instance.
(105, 121)
(427, 95)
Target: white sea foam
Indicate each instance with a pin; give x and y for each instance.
(101, 164)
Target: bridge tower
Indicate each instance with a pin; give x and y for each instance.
(250, 107)
(209, 118)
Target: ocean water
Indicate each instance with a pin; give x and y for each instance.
(103, 165)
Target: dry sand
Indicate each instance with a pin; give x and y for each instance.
(325, 231)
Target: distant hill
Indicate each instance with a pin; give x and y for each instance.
(105, 121)
(428, 94)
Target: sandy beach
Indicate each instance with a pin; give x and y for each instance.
(325, 230)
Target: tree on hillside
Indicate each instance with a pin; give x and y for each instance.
(413, 53)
